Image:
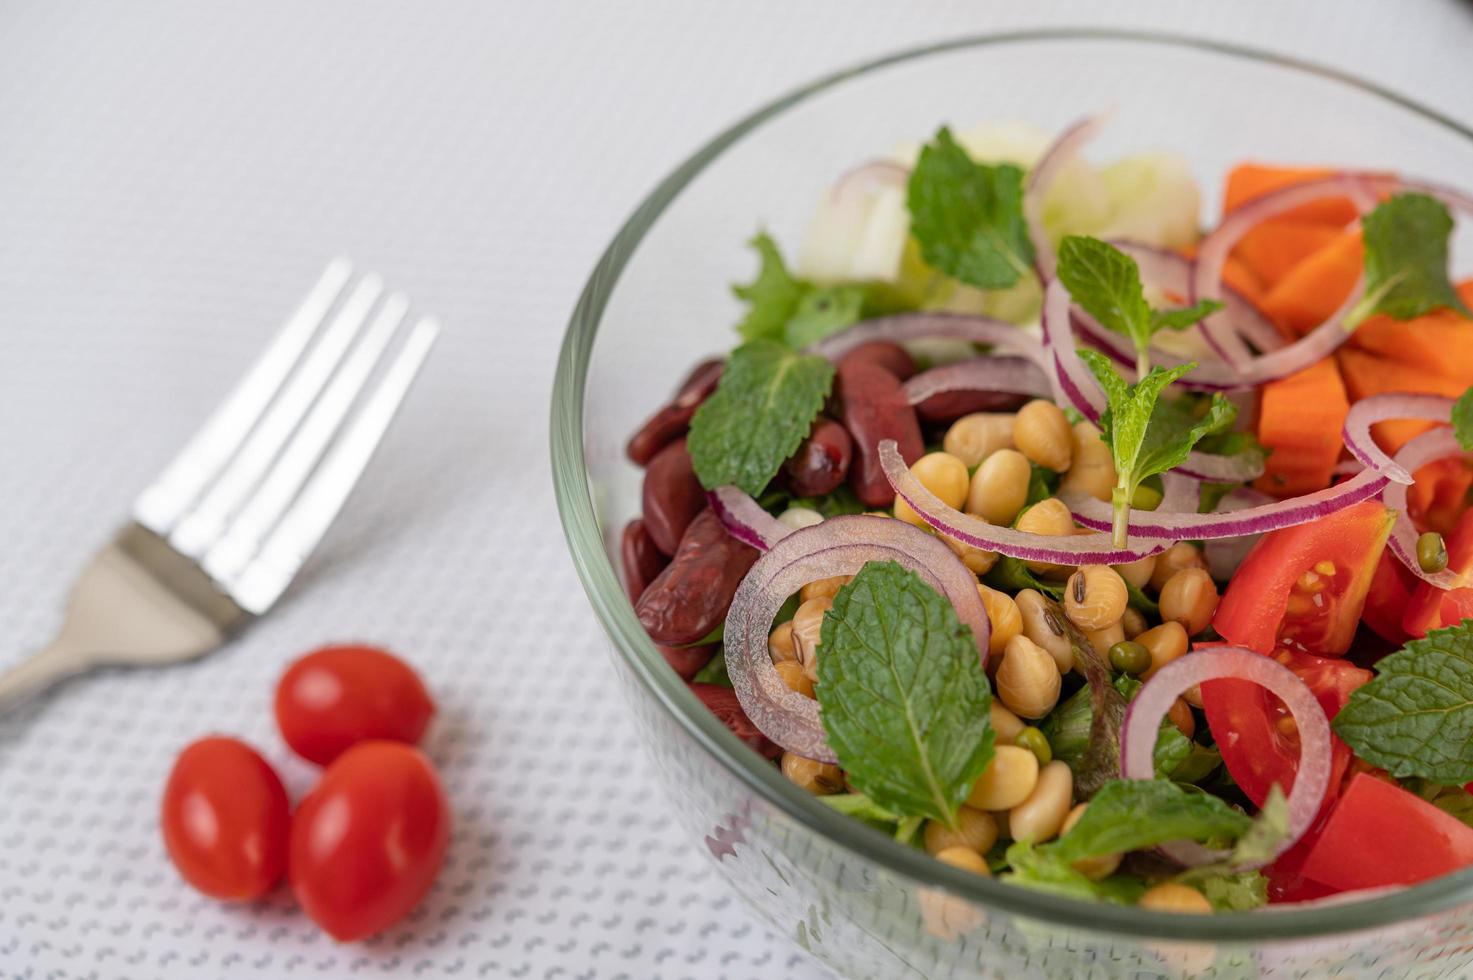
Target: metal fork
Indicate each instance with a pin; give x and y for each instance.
(216, 539)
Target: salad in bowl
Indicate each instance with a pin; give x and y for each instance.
(1042, 530)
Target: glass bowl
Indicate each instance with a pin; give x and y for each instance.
(659, 299)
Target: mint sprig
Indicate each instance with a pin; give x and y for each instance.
(1131, 814)
(1406, 241)
(1416, 717)
(759, 414)
(1107, 283)
(967, 217)
(1148, 436)
(903, 695)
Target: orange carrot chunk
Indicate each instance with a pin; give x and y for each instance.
(1367, 374)
(1273, 249)
(1249, 180)
(1299, 419)
(1316, 287)
(1440, 342)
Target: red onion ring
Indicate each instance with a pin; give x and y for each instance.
(1045, 172)
(745, 519)
(1081, 549)
(1428, 447)
(838, 546)
(1017, 375)
(867, 176)
(920, 326)
(1224, 555)
(1382, 408)
(1152, 525)
(1180, 494)
(1149, 706)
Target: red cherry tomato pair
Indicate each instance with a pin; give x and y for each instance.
(365, 844)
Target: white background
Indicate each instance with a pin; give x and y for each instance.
(172, 176)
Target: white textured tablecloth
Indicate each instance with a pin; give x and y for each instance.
(172, 176)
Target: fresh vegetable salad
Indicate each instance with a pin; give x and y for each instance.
(1042, 530)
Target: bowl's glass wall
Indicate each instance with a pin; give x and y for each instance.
(811, 876)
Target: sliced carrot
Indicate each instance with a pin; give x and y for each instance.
(1440, 495)
(1368, 374)
(1249, 180)
(1440, 342)
(1299, 419)
(1315, 288)
(1274, 248)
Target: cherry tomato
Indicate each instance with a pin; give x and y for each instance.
(225, 819)
(1285, 594)
(722, 702)
(1380, 834)
(1386, 602)
(336, 697)
(367, 842)
(1432, 608)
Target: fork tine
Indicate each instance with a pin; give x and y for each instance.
(266, 576)
(265, 507)
(207, 521)
(165, 500)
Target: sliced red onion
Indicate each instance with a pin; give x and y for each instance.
(1213, 251)
(1017, 375)
(1382, 408)
(1153, 525)
(1426, 448)
(745, 519)
(868, 176)
(838, 546)
(1224, 555)
(1151, 703)
(1078, 549)
(904, 327)
(1180, 494)
(1078, 387)
(1044, 173)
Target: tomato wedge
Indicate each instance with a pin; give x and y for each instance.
(1380, 834)
(1302, 588)
(1432, 608)
(1386, 601)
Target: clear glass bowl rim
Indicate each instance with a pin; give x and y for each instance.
(600, 580)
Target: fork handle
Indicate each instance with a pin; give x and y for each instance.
(39, 673)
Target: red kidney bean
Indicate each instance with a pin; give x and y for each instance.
(873, 408)
(690, 597)
(822, 461)
(723, 703)
(673, 420)
(672, 496)
(890, 356)
(951, 405)
(641, 559)
(688, 661)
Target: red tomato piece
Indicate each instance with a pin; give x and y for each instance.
(722, 702)
(367, 842)
(1303, 587)
(1432, 608)
(1386, 601)
(336, 697)
(1380, 834)
(225, 819)
(1256, 734)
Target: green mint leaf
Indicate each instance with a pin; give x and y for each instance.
(1039, 868)
(1173, 749)
(903, 695)
(1406, 259)
(1131, 814)
(713, 673)
(1203, 761)
(1261, 842)
(772, 298)
(1184, 316)
(823, 310)
(1172, 434)
(1107, 283)
(758, 415)
(860, 807)
(1011, 575)
(1416, 717)
(1463, 419)
(967, 217)
(1456, 801)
